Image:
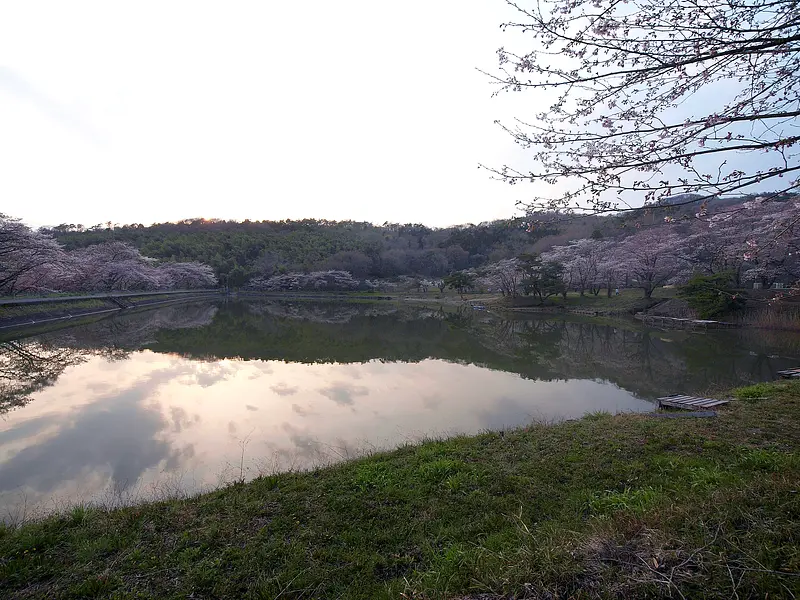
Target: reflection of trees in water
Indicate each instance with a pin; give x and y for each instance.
(134, 330)
(463, 316)
(645, 361)
(343, 312)
(635, 360)
(30, 364)
(318, 312)
(27, 366)
(326, 332)
(648, 362)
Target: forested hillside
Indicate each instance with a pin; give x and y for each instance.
(741, 241)
(238, 251)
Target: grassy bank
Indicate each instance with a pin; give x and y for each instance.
(619, 507)
(628, 301)
(28, 310)
(13, 318)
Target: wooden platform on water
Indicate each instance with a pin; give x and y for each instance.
(689, 402)
(790, 373)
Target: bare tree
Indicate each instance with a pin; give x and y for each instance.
(655, 99)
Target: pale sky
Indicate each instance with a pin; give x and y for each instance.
(158, 111)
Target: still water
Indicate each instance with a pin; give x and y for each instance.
(189, 397)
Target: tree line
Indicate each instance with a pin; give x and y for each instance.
(34, 261)
(753, 242)
(752, 238)
(239, 252)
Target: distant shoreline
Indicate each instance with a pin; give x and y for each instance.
(27, 313)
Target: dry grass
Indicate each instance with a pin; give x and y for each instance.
(778, 316)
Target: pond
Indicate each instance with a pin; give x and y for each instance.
(188, 397)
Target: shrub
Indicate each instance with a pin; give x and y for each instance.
(711, 295)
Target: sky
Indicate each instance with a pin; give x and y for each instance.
(158, 111)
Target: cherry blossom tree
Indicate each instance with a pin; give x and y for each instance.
(677, 102)
(504, 275)
(581, 261)
(29, 260)
(34, 261)
(119, 266)
(314, 281)
(773, 241)
(755, 241)
(651, 259)
(717, 249)
(114, 266)
(188, 275)
(610, 270)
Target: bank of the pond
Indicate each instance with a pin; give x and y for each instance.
(663, 310)
(67, 310)
(624, 507)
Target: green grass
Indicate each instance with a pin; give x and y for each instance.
(69, 306)
(23, 310)
(50, 295)
(604, 507)
(625, 297)
(756, 392)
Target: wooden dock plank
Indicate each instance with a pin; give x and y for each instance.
(669, 404)
(790, 373)
(689, 402)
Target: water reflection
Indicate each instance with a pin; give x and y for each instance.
(28, 365)
(187, 397)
